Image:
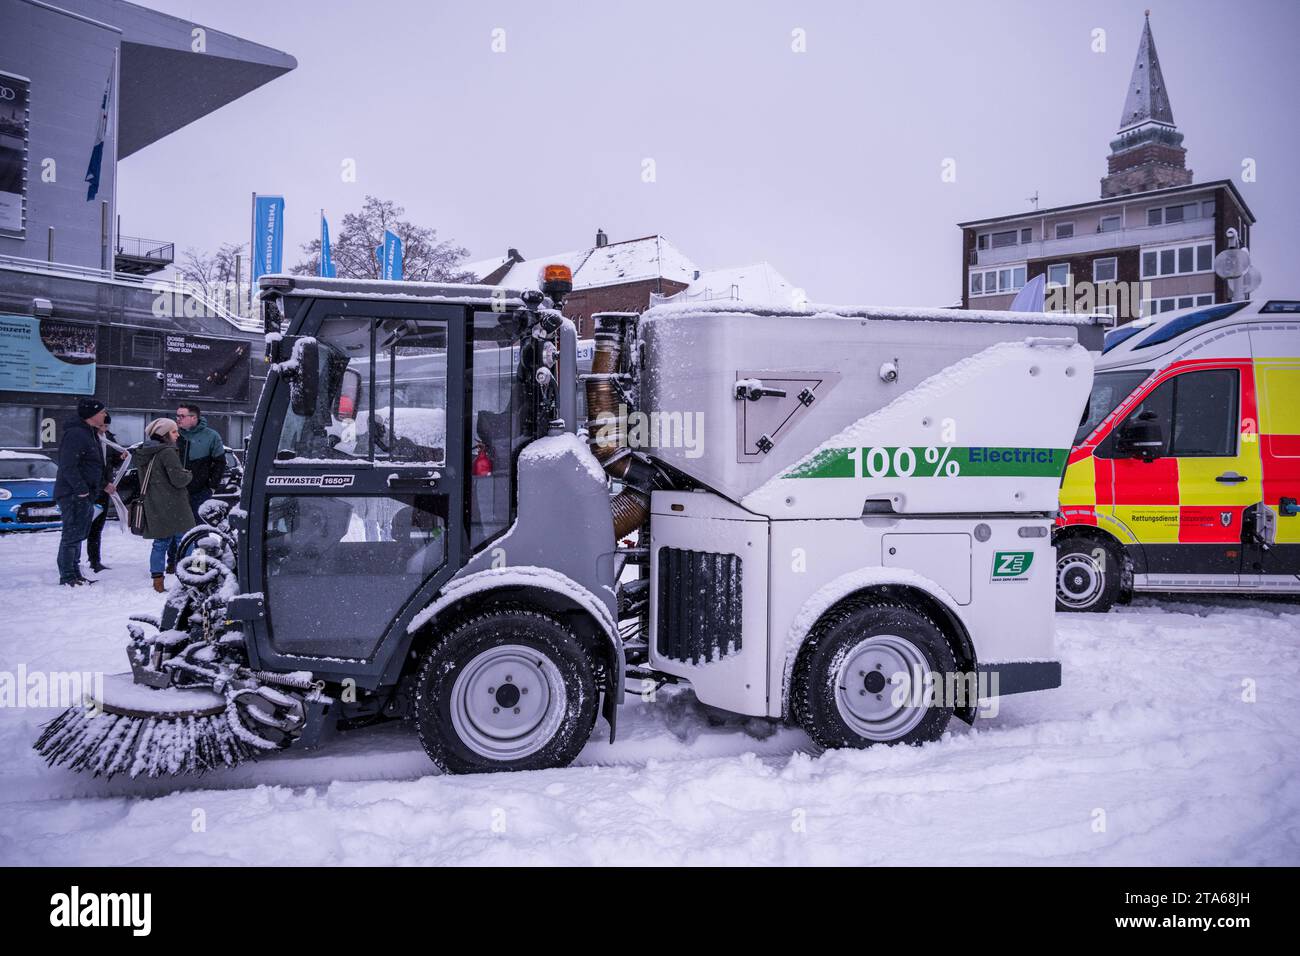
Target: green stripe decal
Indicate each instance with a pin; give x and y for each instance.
(943, 461)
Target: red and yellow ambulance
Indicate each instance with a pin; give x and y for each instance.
(1185, 473)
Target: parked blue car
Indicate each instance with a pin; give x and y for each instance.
(27, 492)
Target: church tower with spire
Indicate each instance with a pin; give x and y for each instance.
(1147, 152)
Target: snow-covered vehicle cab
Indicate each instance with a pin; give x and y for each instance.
(27, 492)
(836, 517)
(1186, 467)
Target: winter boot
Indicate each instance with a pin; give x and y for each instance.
(171, 567)
(158, 583)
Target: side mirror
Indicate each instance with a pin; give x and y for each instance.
(1141, 438)
(305, 382)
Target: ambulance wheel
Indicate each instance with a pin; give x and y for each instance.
(1088, 575)
(861, 677)
(508, 689)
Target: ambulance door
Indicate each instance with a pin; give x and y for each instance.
(1185, 504)
(1275, 561)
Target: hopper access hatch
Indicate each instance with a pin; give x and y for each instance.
(764, 420)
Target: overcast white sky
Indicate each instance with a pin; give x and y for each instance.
(825, 163)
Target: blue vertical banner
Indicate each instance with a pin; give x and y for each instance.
(326, 270)
(268, 236)
(390, 257)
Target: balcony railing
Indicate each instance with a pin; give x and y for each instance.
(1096, 242)
(142, 256)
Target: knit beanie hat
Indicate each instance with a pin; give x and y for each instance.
(159, 427)
(88, 408)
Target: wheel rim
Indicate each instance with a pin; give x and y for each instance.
(880, 687)
(1079, 580)
(508, 702)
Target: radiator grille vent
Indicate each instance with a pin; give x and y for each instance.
(699, 605)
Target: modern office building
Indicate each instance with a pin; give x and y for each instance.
(84, 84)
(1153, 229)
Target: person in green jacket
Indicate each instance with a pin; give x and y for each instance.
(167, 509)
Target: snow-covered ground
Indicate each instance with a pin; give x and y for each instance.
(1149, 754)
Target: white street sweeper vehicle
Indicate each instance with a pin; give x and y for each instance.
(837, 517)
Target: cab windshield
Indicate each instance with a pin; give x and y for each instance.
(1108, 390)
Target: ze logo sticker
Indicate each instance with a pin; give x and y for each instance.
(1012, 565)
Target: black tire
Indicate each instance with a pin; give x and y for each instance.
(822, 706)
(1088, 574)
(461, 736)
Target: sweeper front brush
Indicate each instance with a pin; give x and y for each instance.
(137, 730)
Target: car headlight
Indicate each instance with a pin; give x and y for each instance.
(5, 494)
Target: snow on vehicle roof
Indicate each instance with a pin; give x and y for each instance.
(25, 455)
(449, 292)
(649, 257)
(818, 311)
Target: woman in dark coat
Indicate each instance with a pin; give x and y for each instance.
(166, 501)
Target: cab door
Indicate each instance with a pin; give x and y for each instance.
(1185, 506)
(357, 511)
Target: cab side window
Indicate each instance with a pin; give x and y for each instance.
(1197, 414)
(1205, 414)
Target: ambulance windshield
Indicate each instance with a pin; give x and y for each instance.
(1108, 390)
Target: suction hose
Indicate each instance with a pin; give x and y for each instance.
(631, 506)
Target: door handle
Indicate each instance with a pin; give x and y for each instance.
(753, 389)
(398, 482)
(1230, 478)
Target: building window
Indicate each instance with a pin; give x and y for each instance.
(1156, 306)
(1004, 239)
(18, 427)
(1065, 230)
(1183, 212)
(1207, 209)
(1026, 235)
(1177, 260)
(1058, 274)
(997, 281)
(982, 241)
(1105, 270)
(1109, 224)
(1155, 217)
(146, 347)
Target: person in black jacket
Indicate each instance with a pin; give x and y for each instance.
(78, 483)
(112, 458)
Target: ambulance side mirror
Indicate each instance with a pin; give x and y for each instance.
(1141, 438)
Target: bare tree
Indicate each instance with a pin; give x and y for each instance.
(213, 274)
(352, 248)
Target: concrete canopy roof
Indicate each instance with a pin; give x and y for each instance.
(165, 84)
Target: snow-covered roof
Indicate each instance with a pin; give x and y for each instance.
(758, 283)
(646, 258)
(483, 267)
(523, 275)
